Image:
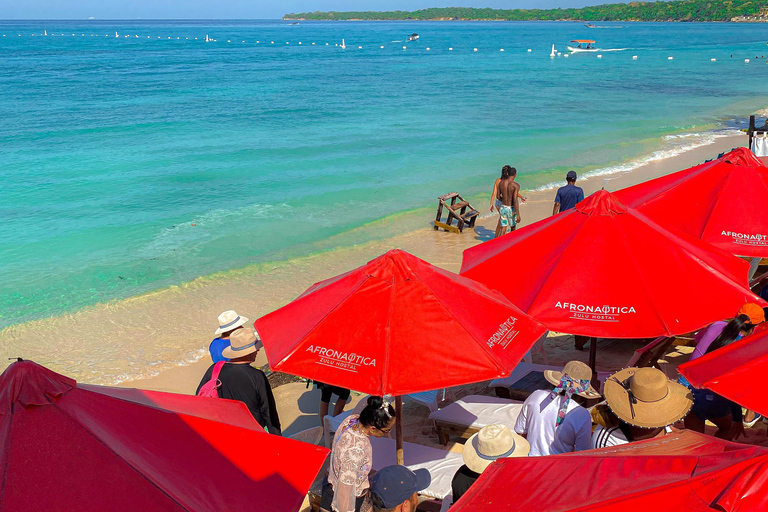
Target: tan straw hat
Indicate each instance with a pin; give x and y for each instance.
(241, 343)
(229, 320)
(491, 443)
(645, 397)
(575, 370)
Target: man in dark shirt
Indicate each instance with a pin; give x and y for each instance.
(240, 381)
(569, 195)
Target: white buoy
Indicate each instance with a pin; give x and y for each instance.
(312, 43)
(229, 41)
(272, 42)
(359, 47)
(475, 49)
(567, 55)
(713, 60)
(670, 58)
(242, 41)
(746, 60)
(381, 47)
(599, 56)
(326, 44)
(299, 42)
(553, 52)
(559, 54)
(529, 50)
(148, 37)
(403, 47)
(450, 49)
(634, 57)
(501, 49)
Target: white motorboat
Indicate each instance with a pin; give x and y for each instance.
(413, 37)
(583, 45)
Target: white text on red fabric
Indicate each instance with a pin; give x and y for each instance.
(505, 334)
(341, 360)
(595, 313)
(746, 238)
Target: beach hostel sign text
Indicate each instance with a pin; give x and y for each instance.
(595, 313)
(342, 360)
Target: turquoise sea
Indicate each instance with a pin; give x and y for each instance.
(131, 163)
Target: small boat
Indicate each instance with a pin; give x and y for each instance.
(295, 23)
(584, 45)
(589, 25)
(413, 37)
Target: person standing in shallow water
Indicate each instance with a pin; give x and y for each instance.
(509, 211)
(568, 196)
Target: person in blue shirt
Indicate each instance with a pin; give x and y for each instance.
(229, 321)
(569, 195)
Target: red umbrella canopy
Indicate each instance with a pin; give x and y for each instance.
(83, 448)
(722, 202)
(680, 471)
(734, 371)
(606, 270)
(398, 325)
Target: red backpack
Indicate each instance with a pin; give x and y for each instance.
(211, 388)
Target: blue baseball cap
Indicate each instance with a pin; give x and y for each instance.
(571, 175)
(395, 484)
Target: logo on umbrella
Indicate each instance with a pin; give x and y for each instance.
(746, 238)
(338, 359)
(505, 334)
(604, 313)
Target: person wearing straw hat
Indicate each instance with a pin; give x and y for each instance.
(241, 381)
(490, 443)
(229, 321)
(552, 421)
(644, 402)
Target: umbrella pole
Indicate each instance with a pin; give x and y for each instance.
(399, 429)
(592, 361)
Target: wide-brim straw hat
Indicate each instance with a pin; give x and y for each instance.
(241, 343)
(645, 397)
(493, 442)
(230, 320)
(575, 370)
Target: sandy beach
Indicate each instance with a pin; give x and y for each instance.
(177, 323)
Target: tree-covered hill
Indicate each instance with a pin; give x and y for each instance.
(678, 10)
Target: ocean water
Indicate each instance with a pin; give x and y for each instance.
(129, 164)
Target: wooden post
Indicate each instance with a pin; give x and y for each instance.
(399, 429)
(751, 130)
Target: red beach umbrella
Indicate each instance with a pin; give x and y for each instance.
(395, 326)
(606, 270)
(78, 448)
(680, 471)
(734, 371)
(722, 202)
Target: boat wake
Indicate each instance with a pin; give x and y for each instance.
(613, 49)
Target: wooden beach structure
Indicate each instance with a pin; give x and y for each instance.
(458, 209)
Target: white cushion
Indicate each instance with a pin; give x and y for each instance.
(478, 411)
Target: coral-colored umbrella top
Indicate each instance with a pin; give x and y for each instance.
(398, 325)
(722, 202)
(606, 270)
(83, 448)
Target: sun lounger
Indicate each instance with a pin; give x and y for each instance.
(429, 399)
(441, 464)
(468, 415)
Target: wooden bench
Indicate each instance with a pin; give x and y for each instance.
(457, 209)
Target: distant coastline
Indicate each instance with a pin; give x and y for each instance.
(678, 10)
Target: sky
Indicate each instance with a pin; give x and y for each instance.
(240, 9)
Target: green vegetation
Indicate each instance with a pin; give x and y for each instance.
(679, 10)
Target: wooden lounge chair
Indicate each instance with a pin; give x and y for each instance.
(467, 416)
(457, 209)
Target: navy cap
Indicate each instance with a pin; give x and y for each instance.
(396, 484)
(571, 175)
